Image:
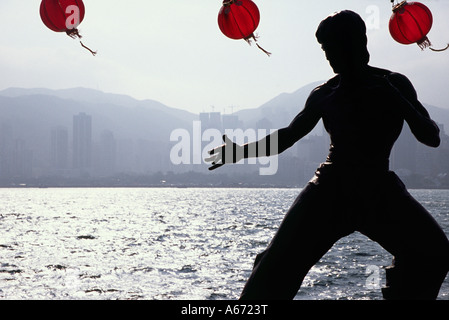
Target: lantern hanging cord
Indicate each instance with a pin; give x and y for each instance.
(91, 51)
(440, 50)
(266, 52)
(74, 33)
(248, 39)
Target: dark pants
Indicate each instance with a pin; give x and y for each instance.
(335, 204)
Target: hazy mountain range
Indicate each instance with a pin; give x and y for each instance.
(35, 110)
(125, 116)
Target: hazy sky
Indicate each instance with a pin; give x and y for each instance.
(173, 51)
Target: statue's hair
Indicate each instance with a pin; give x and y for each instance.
(346, 28)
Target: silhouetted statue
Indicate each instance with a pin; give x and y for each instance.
(363, 109)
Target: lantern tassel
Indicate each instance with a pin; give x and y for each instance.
(424, 43)
(439, 50)
(73, 33)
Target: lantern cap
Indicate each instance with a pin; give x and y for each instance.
(399, 6)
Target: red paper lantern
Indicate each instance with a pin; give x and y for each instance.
(238, 19)
(410, 23)
(64, 16)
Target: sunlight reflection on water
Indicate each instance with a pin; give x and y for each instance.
(137, 243)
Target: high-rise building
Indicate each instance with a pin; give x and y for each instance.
(59, 148)
(82, 141)
(6, 150)
(230, 121)
(215, 120)
(204, 118)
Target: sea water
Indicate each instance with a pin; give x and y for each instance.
(169, 243)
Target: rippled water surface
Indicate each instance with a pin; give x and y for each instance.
(144, 243)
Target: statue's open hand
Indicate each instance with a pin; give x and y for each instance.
(229, 152)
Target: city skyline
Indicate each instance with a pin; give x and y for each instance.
(75, 153)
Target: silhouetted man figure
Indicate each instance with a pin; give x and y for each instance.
(363, 109)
